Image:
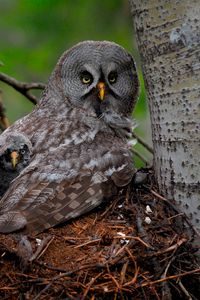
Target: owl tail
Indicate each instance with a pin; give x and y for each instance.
(12, 221)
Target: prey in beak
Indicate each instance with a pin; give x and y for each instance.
(101, 90)
(14, 158)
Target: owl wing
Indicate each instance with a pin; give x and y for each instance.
(43, 204)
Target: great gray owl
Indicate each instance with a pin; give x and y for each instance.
(15, 152)
(79, 133)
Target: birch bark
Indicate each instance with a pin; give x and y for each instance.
(168, 35)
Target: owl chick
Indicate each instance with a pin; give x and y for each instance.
(79, 131)
(15, 152)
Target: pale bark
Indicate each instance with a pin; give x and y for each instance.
(168, 35)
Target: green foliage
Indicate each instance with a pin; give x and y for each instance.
(34, 33)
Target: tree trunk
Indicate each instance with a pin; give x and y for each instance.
(168, 35)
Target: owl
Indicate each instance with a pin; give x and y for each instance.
(79, 133)
(15, 152)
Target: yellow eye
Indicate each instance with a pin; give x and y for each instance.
(86, 77)
(112, 77)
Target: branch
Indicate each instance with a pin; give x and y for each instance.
(142, 142)
(140, 156)
(23, 87)
(4, 122)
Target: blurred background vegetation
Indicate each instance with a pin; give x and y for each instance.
(34, 33)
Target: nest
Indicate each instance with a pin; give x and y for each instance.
(137, 247)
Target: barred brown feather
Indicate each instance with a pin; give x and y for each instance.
(80, 150)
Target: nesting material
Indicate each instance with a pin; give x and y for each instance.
(111, 253)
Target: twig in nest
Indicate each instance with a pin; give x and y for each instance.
(143, 143)
(47, 266)
(136, 238)
(195, 231)
(110, 209)
(87, 243)
(62, 276)
(185, 291)
(177, 276)
(166, 292)
(174, 247)
(123, 272)
(23, 87)
(116, 283)
(4, 123)
(134, 279)
(169, 249)
(42, 247)
(89, 286)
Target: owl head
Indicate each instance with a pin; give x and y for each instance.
(98, 76)
(15, 151)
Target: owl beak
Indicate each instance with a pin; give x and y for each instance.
(14, 158)
(101, 89)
